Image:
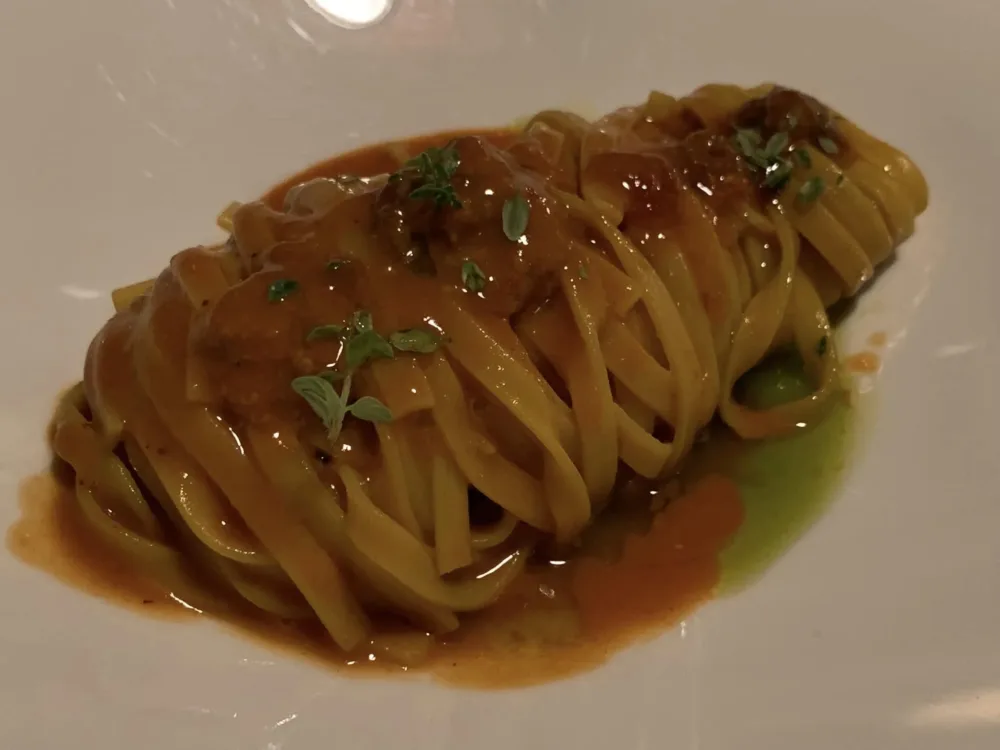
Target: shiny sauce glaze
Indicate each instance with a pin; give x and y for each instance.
(649, 565)
(401, 258)
(251, 351)
(573, 608)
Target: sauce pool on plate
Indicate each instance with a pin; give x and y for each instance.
(657, 553)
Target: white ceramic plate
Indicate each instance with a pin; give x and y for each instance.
(128, 123)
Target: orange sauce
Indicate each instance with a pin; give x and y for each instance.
(50, 535)
(643, 567)
(878, 339)
(639, 568)
(864, 363)
(565, 619)
(384, 157)
(561, 618)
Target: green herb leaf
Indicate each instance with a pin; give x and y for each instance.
(421, 163)
(584, 273)
(442, 195)
(365, 346)
(773, 159)
(333, 377)
(811, 189)
(472, 277)
(448, 159)
(828, 145)
(748, 141)
(793, 122)
(777, 174)
(775, 145)
(417, 340)
(443, 161)
(840, 179)
(433, 170)
(321, 397)
(280, 289)
(370, 409)
(329, 331)
(361, 321)
(333, 265)
(822, 346)
(515, 216)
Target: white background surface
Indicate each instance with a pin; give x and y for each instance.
(127, 124)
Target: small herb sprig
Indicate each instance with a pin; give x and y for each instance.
(432, 171)
(515, 216)
(362, 344)
(280, 289)
(473, 277)
(811, 189)
(770, 158)
(828, 145)
(776, 161)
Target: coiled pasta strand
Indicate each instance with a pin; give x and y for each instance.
(677, 259)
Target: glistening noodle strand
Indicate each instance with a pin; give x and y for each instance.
(294, 421)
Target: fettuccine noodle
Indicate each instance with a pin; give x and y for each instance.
(528, 326)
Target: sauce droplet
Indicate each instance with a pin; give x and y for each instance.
(864, 363)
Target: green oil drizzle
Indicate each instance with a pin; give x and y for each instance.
(785, 483)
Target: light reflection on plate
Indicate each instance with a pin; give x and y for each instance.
(352, 14)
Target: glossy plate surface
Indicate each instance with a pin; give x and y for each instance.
(129, 123)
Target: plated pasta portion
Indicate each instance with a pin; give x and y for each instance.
(413, 372)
